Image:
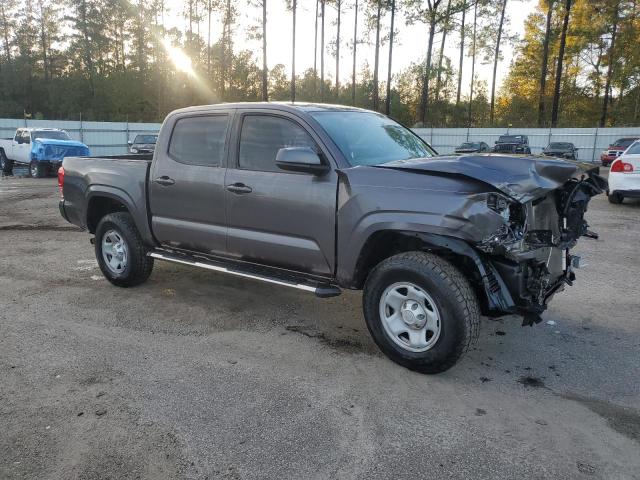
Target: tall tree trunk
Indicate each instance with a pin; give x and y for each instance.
(387, 100)
(376, 99)
(473, 62)
(226, 43)
(315, 46)
(209, 39)
(441, 56)
(43, 42)
(545, 67)
(322, 2)
(612, 47)
(424, 98)
(495, 64)
(563, 42)
(462, 36)
(293, 52)
(265, 85)
(355, 46)
(339, 6)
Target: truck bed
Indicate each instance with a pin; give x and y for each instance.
(123, 176)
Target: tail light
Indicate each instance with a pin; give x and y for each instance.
(621, 167)
(61, 180)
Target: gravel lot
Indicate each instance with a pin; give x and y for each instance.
(200, 375)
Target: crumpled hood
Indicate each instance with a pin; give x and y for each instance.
(522, 178)
(63, 143)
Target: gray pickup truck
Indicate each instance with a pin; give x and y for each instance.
(323, 198)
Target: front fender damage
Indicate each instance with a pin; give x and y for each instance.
(524, 259)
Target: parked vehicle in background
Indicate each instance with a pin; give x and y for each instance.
(41, 149)
(616, 149)
(473, 147)
(322, 197)
(561, 150)
(512, 144)
(624, 176)
(143, 144)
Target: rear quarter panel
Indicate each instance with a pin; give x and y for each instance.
(119, 179)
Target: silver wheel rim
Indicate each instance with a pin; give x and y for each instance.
(114, 251)
(410, 317)
(34, 170)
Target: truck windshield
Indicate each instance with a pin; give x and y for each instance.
(145, 139)
(51, 134)
(510, 139)
(367, 138)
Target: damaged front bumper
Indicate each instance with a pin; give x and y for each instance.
(530, 252)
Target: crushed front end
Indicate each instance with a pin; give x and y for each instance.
(530, 251)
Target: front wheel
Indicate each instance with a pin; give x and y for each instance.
(421, 311)
(121, 254)
(37, 169)
(615, 198)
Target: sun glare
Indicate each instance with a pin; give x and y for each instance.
(179, 59)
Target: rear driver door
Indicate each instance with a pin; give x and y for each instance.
(186, 187)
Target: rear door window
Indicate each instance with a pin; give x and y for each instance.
(199, 140)
(263, 135)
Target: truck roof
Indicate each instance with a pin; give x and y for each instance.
(282, 106)
(39, 129)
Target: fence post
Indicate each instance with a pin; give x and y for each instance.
(127, 133)
(550, 134)
(81, 129)
(595, 145)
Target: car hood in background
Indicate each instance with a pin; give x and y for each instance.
(522, 178)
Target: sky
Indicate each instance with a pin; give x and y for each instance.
(409, 45)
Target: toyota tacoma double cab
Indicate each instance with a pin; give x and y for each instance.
(40, 149)
(323, 198)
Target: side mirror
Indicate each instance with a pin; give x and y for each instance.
(300, 159)
(130, 142)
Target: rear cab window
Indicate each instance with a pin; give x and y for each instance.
(199, 140)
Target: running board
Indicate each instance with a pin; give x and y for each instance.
(320, 290)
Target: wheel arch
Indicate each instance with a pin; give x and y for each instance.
(489, 287)
(103, 200)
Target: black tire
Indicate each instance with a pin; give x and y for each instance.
(615, 198)
(6, 165)
(138, 265)
(456, 304)
(37, 169)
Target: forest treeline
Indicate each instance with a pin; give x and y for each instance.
(577, 62)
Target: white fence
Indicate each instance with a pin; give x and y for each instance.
(110, 138)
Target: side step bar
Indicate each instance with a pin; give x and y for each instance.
(320, 290)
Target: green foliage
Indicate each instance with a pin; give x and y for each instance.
(106, 60)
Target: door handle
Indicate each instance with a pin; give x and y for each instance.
(239, 188)
(164, 181)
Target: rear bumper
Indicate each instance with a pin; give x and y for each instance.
(62, 210)
(627, 193)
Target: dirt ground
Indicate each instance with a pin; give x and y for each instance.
(199, 375)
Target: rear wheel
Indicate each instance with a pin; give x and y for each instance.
(421, 311)
(37, 169)
(615, 198)
(121, 254)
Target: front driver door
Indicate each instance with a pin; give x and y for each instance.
(279, 218)
(187, 183)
